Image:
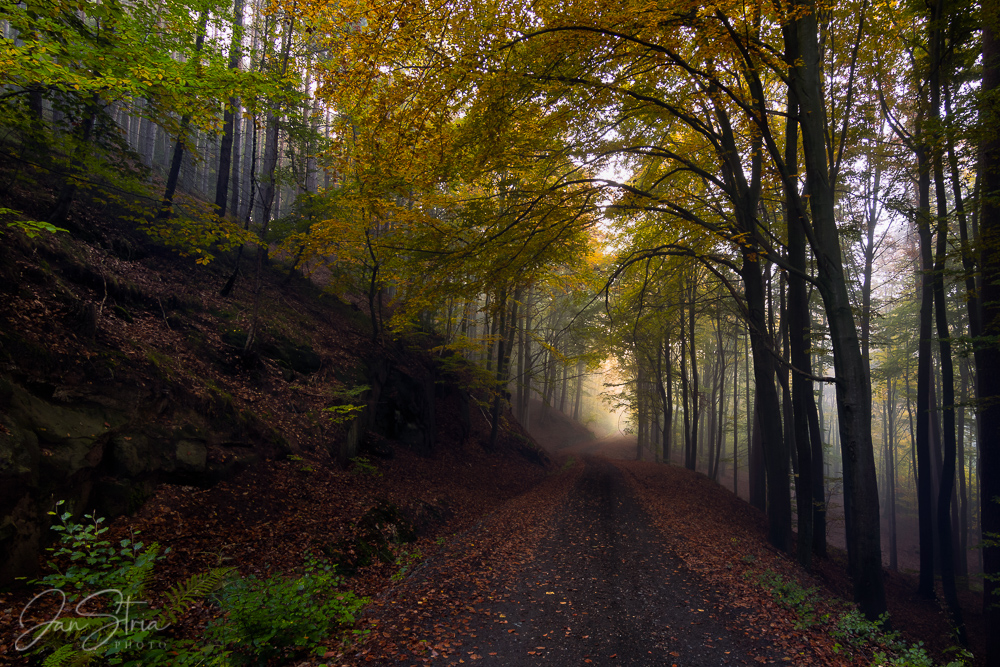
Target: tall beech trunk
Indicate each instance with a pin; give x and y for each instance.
(947, 485)
(235, 182)
(519, 394)
(720, 403)
(57, 216)
(925, 482)
(641, 417)
(975, 330)
(668, 410)
(962, 561)
(853, 382)
(661, 390)
(229, 118)
(890, 472)
(987, 352)
(580, 368)
(775, 454)
(798, 343)
(746, 197)
(691, 460)
(504, 343)
(736, 407)
(177, 159)
(565, 387)
(685, 391)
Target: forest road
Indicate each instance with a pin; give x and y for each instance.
(602, 588)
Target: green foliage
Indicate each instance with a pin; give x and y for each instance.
(261, 618)
(852, 630)
(350, 394)
(93, 562)
(340, 414)
(889, 649)
(345, 412)
(31, 228)
(113, 623)
(305, 467)
(363, 466)
(856, 630)
(406, 562)
(282, 616)
(199, 234)
(790, 594)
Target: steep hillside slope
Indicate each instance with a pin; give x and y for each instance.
(122, 368)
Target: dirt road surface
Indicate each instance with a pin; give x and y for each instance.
(599, 586)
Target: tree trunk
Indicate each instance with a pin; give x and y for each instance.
(925, 486)
(65, 198)
(736, 405)
(235, 179)
(890, 473)
(987, 352)
(503, 344)
(565, 387)
(641, 423)
(229, 119)
(167, 201)
(962, 563)
(758, 477)
(668, 416)
(779, 507)
(685, 404)
(521, 340)
(798, 344)
(691, 461)
(853, 382)
(580, 367)
(721, 408)
(947, 486)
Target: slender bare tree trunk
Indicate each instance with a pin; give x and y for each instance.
(229, 132)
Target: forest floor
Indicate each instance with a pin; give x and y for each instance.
(611, 561)
(591, 560)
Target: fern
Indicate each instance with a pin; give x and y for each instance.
(66, 634)
(137, 575)
(67, 656)
(180, 597)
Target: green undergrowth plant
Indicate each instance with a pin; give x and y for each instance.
(346, 408)
(105, 616)
(855, 635)
(281, 616)
(791, 595)
(855, 632)
(305, 467)
(340, 414)
(364, 466)
(31, 228)
(406, 561)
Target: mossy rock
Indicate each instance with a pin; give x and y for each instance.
(234, 337)
(386, 520)
(122, 313)
(298, 357)
(379, 528)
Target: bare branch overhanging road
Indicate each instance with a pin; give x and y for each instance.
(603, 588)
